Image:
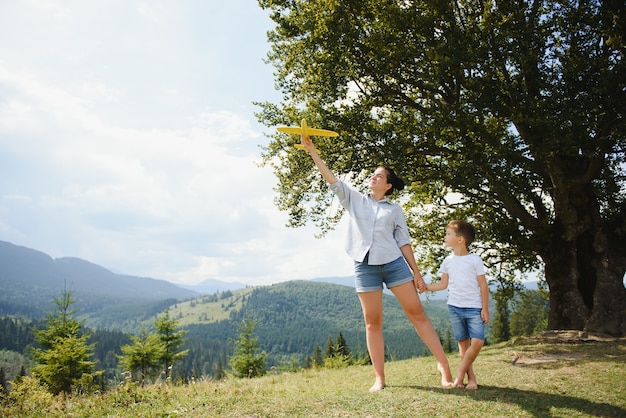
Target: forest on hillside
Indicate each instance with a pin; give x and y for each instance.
(293, 321)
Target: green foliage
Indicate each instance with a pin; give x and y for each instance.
(141, 358)
(13, 364)
(341, 346)
(530, 313)
(338, 361)
(448, 342)
(171, 341)
(293, 318)
(247, 359)
(316, 360)
(16, 333)
(337, 353)
(63, 361)
(152, 353)
(500, 324)
(28, 397)
(510, 116)
(4, 384)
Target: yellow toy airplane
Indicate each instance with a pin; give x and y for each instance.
(305, 131)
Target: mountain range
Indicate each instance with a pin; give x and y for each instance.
(31, 279)
(292, 316)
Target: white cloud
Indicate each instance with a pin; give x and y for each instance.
(127, 138)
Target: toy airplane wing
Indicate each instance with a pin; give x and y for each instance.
(296, 130)
(304, 130)
(321, 132)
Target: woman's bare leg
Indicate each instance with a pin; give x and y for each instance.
(414, 311)
(372, 305)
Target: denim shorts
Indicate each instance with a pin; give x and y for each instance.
(371, 278)
(466, 323)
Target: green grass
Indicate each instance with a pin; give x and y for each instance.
(203, 311)
(532, 377)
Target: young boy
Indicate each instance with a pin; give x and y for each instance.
(468, 298)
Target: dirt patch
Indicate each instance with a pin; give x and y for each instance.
(566, 336)
(555, 347)
(532, 359)
(574, 336)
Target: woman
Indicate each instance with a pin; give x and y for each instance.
(379, 243)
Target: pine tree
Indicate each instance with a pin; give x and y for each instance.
(171, 340)
(341, 346)
(63, 359)
(330, 348)
(337, 353)
(247, 361)
(142, 357)
(316, 359)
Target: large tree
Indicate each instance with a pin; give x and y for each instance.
(515, 109)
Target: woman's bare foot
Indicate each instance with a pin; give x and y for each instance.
(377, 386)
(446, 376)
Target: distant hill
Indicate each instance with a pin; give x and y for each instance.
(349, 281)
(295, 316)
(30, 280)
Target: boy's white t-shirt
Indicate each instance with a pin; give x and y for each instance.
(463, 272)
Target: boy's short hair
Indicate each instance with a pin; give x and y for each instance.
(464, 229)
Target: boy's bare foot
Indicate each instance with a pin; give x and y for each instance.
(471, 384)
(446, 376)
(458, 384)
(377, 386)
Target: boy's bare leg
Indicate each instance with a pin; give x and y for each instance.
(468, 349)
(463, 346)
(414, 311)
(472, 383)
(471, 379)
(372, 305)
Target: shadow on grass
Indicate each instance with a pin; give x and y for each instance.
(537, 404)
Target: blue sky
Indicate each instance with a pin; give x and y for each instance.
(128, 138)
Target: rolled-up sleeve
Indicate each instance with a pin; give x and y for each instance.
(401, 233)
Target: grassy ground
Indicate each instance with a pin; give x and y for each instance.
(558, 375)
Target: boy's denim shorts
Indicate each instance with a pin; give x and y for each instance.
(466, 323)
(371, 278)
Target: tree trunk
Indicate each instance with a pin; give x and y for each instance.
(585, 293)
(585, 260)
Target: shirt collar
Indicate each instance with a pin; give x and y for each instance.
(383, 200)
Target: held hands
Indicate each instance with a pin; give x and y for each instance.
(419, 282)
